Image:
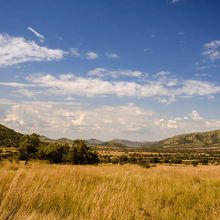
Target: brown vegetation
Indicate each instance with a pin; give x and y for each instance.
(51, 192)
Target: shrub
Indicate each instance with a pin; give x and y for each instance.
(204, 160)
(155, 160)
(195, 163)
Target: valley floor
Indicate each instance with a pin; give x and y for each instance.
(52, 192)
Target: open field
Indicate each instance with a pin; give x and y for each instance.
(43, 191)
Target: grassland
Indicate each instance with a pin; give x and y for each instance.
(49, 192)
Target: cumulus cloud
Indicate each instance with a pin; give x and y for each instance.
(15, 50)
(195, 116)
(91, 55)
(191, 122)
(104, 122)
(212, 50)
(112, 55)
(40, 36)
(166, 123)
(53, 119)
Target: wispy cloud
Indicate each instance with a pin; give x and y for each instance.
(102, 72)
(175, 1)
(112, 55)
(75, 52)
(40, 36)
(15, 50)
(91, 55)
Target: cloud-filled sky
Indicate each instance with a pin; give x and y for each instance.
(137, 70)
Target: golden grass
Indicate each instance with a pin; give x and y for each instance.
(128, 192)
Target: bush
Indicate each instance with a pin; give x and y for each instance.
(123, 159)
(195, 163)
(115, 160)
(144, 163)
(204, 161)
(176, 160)
(132, 159)
(155, 160)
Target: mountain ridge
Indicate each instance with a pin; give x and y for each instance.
(195, 140)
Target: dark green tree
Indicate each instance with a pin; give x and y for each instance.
(54, 152)
(80, 153)
(28, 145)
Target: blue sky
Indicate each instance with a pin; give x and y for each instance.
(139, 70)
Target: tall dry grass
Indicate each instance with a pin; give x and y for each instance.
(42, 191)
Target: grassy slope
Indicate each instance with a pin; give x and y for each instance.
(52, 192)
(193, 140)
(8, 137)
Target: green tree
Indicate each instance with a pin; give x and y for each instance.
(28, 145)
(54, 152)
(80, 153)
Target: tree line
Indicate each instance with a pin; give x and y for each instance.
(77, 153)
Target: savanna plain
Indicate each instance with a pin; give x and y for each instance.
(108, 191)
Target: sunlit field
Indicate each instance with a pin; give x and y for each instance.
(43, 191)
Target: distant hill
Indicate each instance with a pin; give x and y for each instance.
(60, 140)
(93, 142)
(195, 140)
(9, 137)
(90, 142)
(113, 144)
(133, 143)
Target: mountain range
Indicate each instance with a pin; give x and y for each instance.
(195, 141)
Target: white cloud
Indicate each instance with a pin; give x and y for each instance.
(195, 116)
(213, 124)
(40, 36)
(105, 122)
(15, 50)
(95, 87)
(197, 87)
(25, 92)
(212, 50)
(165, 89)
(91, 55)
(191, 123)
(15, 84)
(166, 123)
(112, 55)
(101, 72)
